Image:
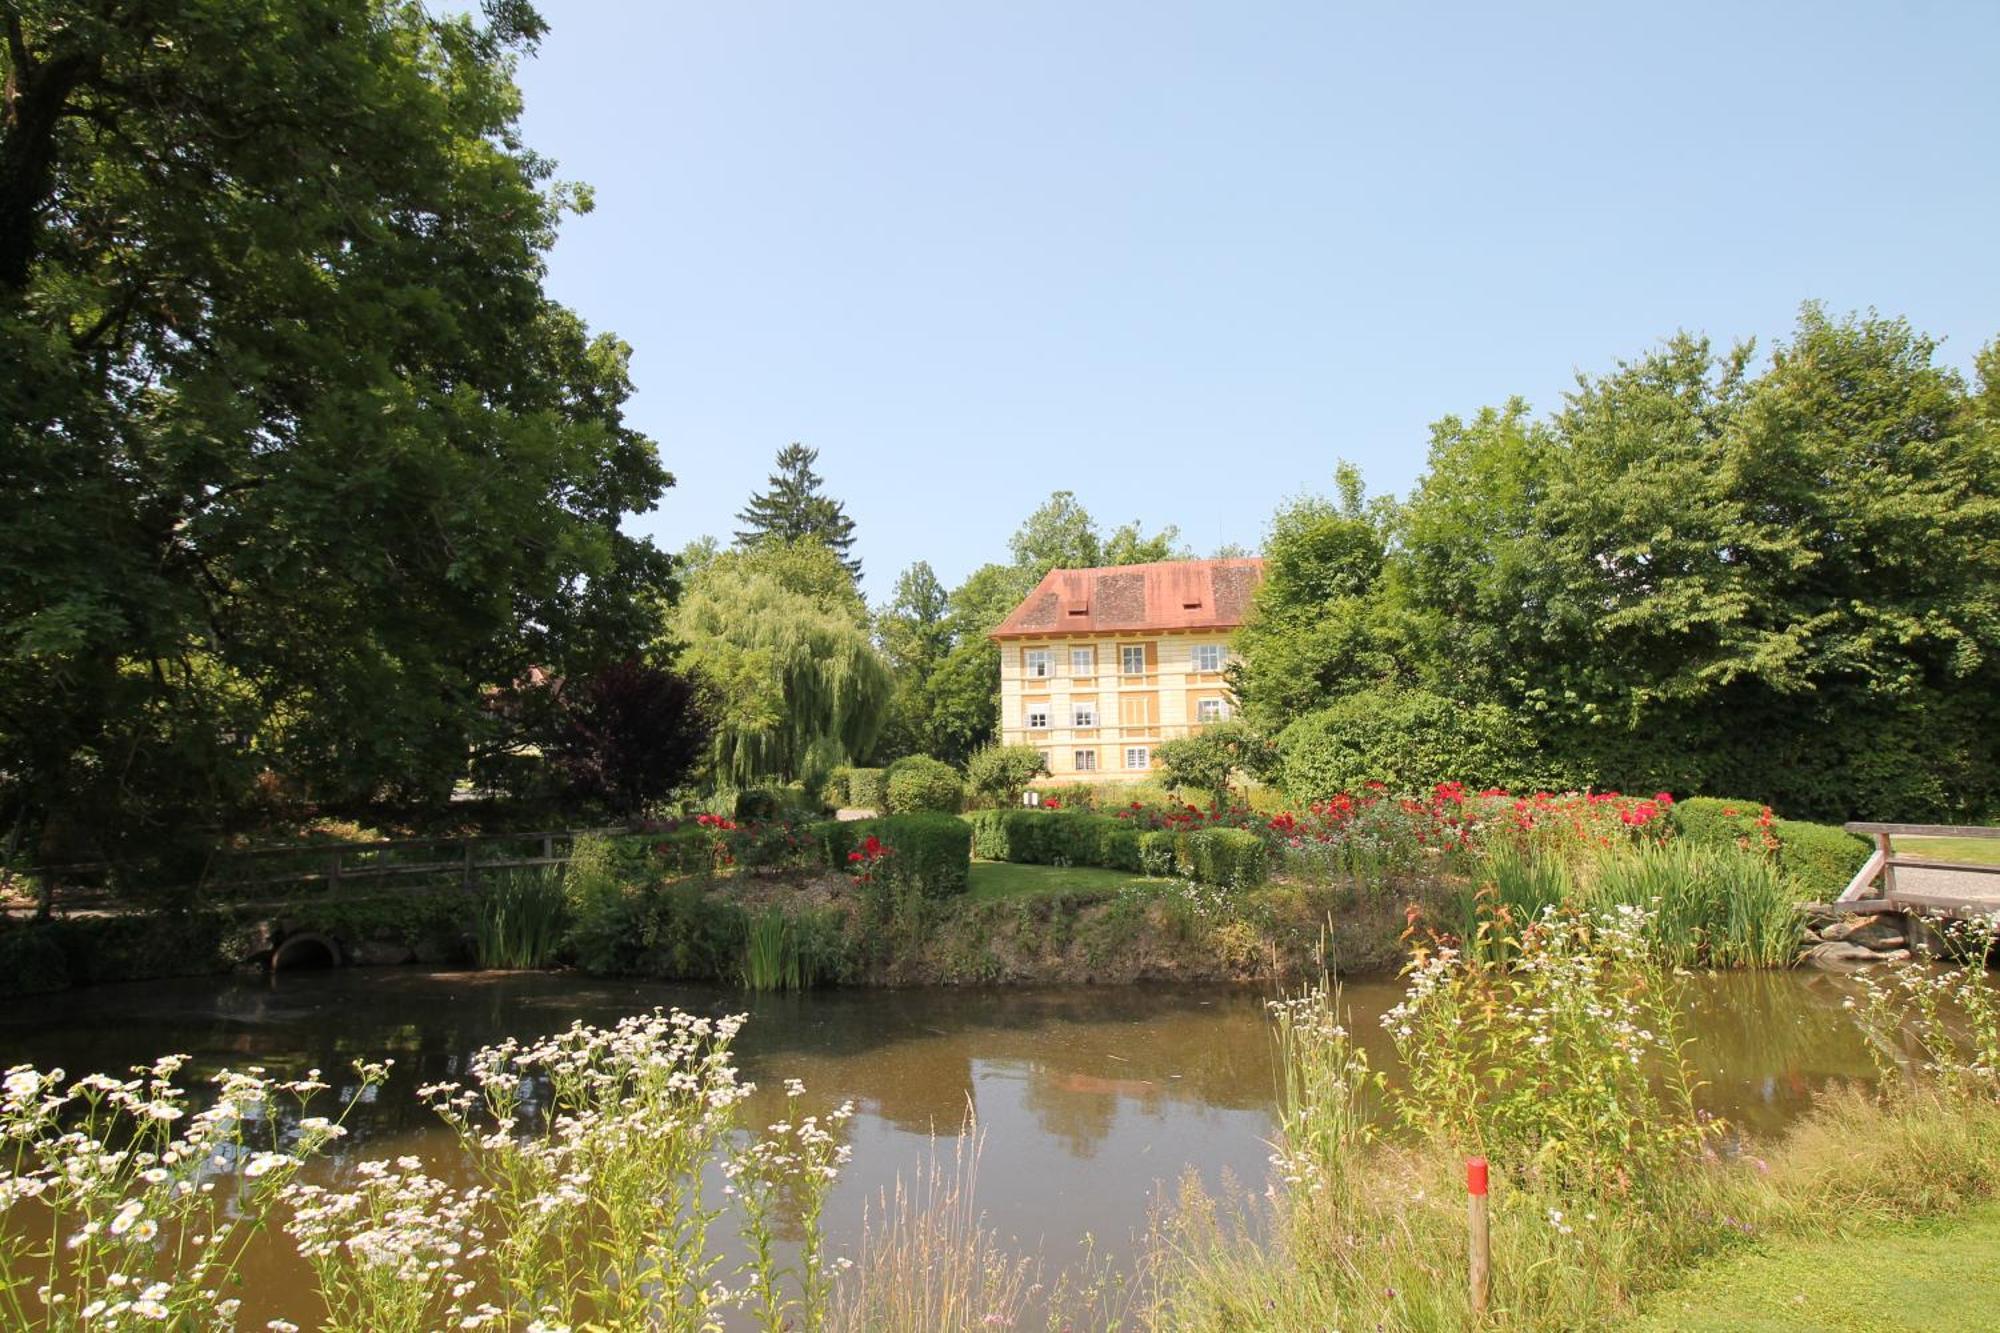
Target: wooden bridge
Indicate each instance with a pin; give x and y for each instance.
(1918, 886)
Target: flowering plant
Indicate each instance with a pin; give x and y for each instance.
(120, 1204)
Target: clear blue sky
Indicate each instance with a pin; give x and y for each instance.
(1181, 258)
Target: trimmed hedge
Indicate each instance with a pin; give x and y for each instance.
(1820, 858)
(932, 849)
(920, 782)
(1051, 837)
(868, 789)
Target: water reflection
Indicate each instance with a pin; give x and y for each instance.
(1089, 1097)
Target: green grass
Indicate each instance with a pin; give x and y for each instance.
(1934, 1277)
(1003, 879)
(1980, 851)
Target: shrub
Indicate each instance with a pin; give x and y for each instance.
(922, 783)
(1818, 858)
(1000, 773)
(931, 850)
(866, 789)
(1408, 740)
(1227, 856)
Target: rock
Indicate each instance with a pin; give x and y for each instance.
(1894, 956)
(379, 953)
(1835, 931)
(1879, 932)
(1886, 944)
(1833, 955)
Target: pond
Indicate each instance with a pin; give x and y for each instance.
(1089, 1099)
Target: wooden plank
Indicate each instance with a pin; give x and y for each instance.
(1858, 906)
(1864, 877)
(1948, 904)
(1925, 863)
(1925, 830)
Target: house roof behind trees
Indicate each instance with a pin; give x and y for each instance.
(1114, 599)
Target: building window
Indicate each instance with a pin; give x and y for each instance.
(1209, 710)
(1086, 761)
(1048, 764)
(1132, 659)
(1083, 715)
(1083, 661)
(1137, 756)
(1208, 657)
(1037, 661)
(1038, 717)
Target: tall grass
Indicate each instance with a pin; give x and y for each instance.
(928, 1261)
(772, 958)
(520, 921)
(1608, 1181)
(1713, 906)
(1512, 886)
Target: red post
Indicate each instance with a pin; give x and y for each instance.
(1480, 1268)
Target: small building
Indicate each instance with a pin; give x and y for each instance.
(1098, 666)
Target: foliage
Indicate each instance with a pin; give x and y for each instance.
(244, 545)
(918, 782)
(796, 509)
(800, 685)
(930, 851)
(1819, 858)
(1694, 575)
(1716, 907)
(1404, 739)
(1206, 760)
(868, 789)
(520, 920)
(630, 733)
(1000, 774)
(1221, 856)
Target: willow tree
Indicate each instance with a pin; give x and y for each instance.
(800, 685)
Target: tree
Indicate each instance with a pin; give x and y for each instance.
(795, 509)
(301, 462)
(1315, 625)
(800, 688)
(1207, 760)
(630, 734)
(1001, 773)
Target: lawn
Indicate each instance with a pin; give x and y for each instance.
(1982, 851)
(1938, 1277)
(1002, 879)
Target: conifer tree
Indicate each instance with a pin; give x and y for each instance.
(795, 507)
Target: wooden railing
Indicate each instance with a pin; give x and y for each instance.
(1885, 862)
(346, 863)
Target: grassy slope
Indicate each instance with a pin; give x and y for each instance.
(1943, 1276)
(1980, 851)
(1001, 879)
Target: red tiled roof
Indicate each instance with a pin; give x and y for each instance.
(1173, 594)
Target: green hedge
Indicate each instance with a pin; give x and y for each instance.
(920, 782)
(867, 789)
(932, 849)
(1067, 837)
(1820, 858)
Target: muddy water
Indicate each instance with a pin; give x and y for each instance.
(1089, 1099)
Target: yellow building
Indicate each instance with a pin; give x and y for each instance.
(1098, 666)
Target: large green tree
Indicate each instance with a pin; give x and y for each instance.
(1781, 584)
(300, 462)
(797, 508)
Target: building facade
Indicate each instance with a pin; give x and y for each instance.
(1099, 666)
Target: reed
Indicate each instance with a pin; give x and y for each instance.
(520, 921)
(772, 958)
(1718, 907)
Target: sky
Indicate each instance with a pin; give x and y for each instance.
(1181, 259)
